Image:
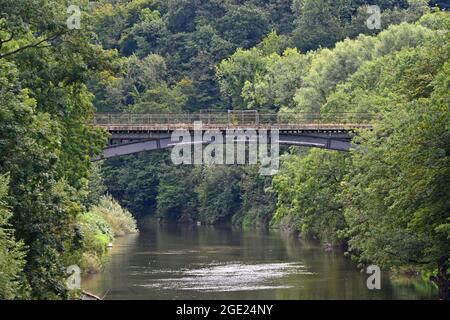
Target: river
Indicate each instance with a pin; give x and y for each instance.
(169, 261)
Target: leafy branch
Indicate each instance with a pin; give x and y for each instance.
(37, 44)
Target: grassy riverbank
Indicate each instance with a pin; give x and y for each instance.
(99, 227)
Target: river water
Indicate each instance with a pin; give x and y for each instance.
(168, 261)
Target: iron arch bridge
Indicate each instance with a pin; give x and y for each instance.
(133, 133)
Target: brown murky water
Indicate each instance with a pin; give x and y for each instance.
(204, 262)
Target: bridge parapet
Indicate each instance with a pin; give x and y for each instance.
(230, 120)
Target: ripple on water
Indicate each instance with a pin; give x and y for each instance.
(228, 277)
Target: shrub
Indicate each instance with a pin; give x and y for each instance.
(98, 227)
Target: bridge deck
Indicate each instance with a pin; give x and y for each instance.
(223, 121)
(220, 127)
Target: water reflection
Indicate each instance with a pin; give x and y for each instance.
(191, 262)
(227, 277)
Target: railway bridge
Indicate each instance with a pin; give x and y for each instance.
(132, 133)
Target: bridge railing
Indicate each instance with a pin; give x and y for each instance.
(232, 119)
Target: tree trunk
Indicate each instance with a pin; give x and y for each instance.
(442, 279)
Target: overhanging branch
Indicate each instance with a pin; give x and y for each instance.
(28, 46)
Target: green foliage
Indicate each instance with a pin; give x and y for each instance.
(96, 234)
(120, 220)
(191, 35)
(176, 199)
(332, 67)
(219, 194)
(308, 192)
(95, 187)
(390, 199)
(160, 99)
(145, 36)
(46, 141)
(98, 227)
(317, 24)
(257, 200)
(323, 23)
(134, 180)
(260, 78)
(234, 72)
(244, 24)
(140, 86)
(12, 252)
(397, 188)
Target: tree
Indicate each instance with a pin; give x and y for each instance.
(48, 141)
(134, 180)
(12, 252)
(308, 194)
(232, 74)
(219, 194)
(177, 201)
(244, 24)
(330, 68)
(257, 199)
(146, 36)
(397, 199)
(181, 15)
(317, 25)
(275, 87)
(35, 23)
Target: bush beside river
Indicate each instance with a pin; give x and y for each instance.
(99, 227)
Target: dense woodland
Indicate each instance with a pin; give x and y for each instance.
(386, 202)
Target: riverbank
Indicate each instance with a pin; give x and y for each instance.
(99, 227)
